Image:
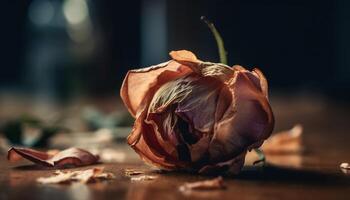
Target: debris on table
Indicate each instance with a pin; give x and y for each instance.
(345, 168)
(213, 184)
(82, 176)
(133, 172)
(143, 178)
(285, 142)
(69, 157)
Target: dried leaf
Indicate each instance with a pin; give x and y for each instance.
(213, 184)
(82, 176)
(285, 142)
(69, 157)
(143, 178)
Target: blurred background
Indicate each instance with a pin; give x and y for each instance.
(63, 61)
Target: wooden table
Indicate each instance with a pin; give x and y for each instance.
(313, 175)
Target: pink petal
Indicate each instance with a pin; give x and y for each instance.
(248, 120)
(71, 156)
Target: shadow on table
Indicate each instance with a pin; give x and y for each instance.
(280, 174)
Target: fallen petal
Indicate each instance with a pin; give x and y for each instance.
(72, 157)
(285, 142)
(213, 184)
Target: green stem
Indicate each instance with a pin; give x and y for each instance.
(218, 38)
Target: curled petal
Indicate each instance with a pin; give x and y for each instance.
(192, 118)
(217, 70)
(144, 141)
(137, 83)
(69, 157)
(186, 58)
(263, 82)
(143, 136)
(247, 121)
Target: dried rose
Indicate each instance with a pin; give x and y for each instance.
(195, 115)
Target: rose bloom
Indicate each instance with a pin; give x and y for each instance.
(197, 116)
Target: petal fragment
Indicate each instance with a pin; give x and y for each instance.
(212, 184)
(82, 176)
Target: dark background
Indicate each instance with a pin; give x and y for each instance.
(301, 46)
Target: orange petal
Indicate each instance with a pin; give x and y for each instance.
(137, 83)
(186, 58)
(183, 55)
(143, 140)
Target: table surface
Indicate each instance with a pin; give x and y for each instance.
(315, 174)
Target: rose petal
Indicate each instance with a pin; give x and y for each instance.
(285, 142)
(247, 121)
(143, 138)
(186, 58)
(191, 110)
(195, 110)
(263, 82)
(204, 69)
(137, 83)
(71, 156)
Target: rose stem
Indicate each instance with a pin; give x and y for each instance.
(218, 38)
(261, 156)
